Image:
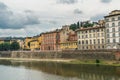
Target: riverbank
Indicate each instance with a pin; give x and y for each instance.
(68, 61)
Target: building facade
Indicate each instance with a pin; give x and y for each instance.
(34, 45)
(70, 43)
(91, 38)
(67, 38)
(27, 43)
(113, 30)
(50, 41)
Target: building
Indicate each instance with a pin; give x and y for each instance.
(64, 33)
(34, 45)
(50, 41)
(67, 38)
(70, 43)
(112, 24)
(27, 43)
(91, 38)
(40, 39)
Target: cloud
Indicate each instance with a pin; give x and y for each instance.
(106, 1)
(97, 17)
(67, 1)
(2, 6)
(16, 20)
(77, 11)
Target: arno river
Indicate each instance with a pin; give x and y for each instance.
(16, 70)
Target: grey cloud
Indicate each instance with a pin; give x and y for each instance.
(106, 1)
(77, 11)
(67, 1)
(2, 6)
(97, 17)
(14, 20)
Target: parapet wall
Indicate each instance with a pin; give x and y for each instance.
(66, 54)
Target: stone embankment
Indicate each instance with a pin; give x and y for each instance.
(66, 54)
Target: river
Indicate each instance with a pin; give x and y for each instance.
(18, 70)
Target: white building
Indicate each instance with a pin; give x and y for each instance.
(112, 24)
(91, 38)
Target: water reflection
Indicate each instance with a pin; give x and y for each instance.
(81, 72)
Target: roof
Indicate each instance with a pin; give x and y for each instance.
(113, 13)
(89, 28)
(55, 31)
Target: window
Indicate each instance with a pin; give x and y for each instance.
(93, 35)
(114, 40)
(103, 47)
(98, 41)
(79, 42)
(86, 31)
(90, 35)
(102, 40)
(119, 28)
(79, 36)
(118, 23)
(107, 25)
(87, 47)
(113, 29)
(113, 24)
(119, 18)
(86, 41)
(86, 36)
(101, 29)
(83, 47)
(82, 42)
(90, 31)
(106, 20)
(98, 35)
(94, 41)
(113, 35)
(113, 19)
(82, 36)
(108, 35)
(90, 41)
(107, 30)
(108, 41)
(98, 47)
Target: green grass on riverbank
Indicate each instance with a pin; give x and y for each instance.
(69, 61)
(95, 62)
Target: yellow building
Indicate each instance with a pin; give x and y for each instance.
(34, 45)
(27, 42)
(40, 38)
(1, 41)
(68, 45)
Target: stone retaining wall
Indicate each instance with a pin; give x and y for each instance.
(66, 54)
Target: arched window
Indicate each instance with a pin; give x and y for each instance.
(107, 25)
(118, 23)
(79, 42)
(113, 24)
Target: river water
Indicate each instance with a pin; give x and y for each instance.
(16, 70)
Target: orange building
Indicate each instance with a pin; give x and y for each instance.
(50, 41)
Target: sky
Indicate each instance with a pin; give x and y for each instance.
(23, 18)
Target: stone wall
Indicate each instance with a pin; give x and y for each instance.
(66, 54)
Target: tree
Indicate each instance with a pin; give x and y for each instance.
(73, 26)
(15, 46)
(78, 24)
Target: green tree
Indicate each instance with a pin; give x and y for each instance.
(78, 24)
(15, 46)
(73, 26)
(4, 46)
